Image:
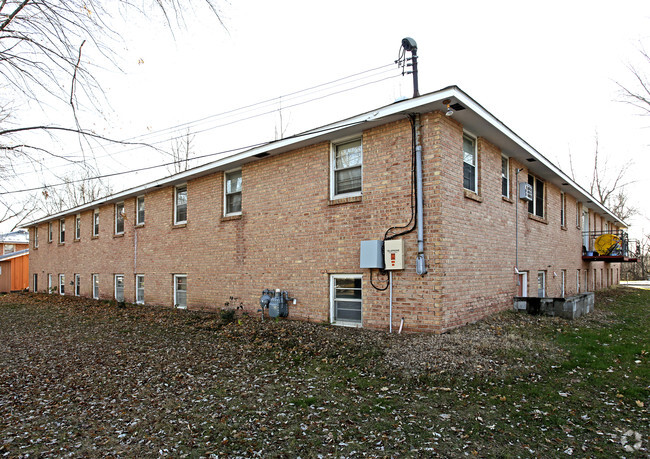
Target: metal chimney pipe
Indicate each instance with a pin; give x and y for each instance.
(410, 45)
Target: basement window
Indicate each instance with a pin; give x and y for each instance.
(346, 299)
(119, 287)
(95, 281)
(180, 291)
(346, 169)
(139, 289)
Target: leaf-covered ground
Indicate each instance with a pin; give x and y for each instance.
(86, 378)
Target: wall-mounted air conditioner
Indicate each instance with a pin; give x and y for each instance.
(526, 191)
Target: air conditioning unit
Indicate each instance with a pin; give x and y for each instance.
(526, 191)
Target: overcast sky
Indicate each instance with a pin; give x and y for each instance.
(548, 70)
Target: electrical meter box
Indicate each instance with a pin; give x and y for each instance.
(394, 254)
(371, 254)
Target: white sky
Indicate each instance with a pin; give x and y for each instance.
(547, 70)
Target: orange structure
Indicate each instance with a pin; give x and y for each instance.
(14, 271)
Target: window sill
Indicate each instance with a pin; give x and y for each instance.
(139, 225)
(473, 196)
(537, 219)
(60, 243)
(118, 235)
(179, 225)
(76, 240)
(94, 237)
(337, 201)
(342, 323)
(228, 218)
(564, 228)
(506, 199)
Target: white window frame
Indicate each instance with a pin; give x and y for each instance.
(77, 227)
(507, 176)
(347, 323)
(95, 222)
(534, 201)
(139, 221)
(50, 232)
(176, 188)
(36, 237)
(578, 281)
(61, 284)
(333, 170)
(563, 280)
(49, 283)
(562, 209)
(115, 279)
(578, 214)
(62, 231)
(474, 140)
(95, 286)
(119, 217)
(34, 281)
(77, 285)
(543, 274)
(176, 277)
(139, 292)
(226, 193)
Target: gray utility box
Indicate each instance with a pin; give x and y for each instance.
(371, 254)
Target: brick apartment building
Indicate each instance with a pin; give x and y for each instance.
(292, 214)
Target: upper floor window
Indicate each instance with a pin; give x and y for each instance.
(9, 248)
(139, 210)
(49, 232)
(77, 227)
(96, 222)
(469, 163)
(562, 209)
(119, 218)
(505, 176)
(233, 192)
(536, 206)
(180, 204)
(578, 213)
(36, 237)
(346, 168)
(62, 230)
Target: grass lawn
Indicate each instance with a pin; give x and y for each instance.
(86, 378)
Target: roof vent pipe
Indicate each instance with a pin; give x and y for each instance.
(408, 44)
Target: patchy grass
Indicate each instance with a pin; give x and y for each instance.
(88, 378)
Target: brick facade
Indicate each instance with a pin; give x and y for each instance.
(291, 235)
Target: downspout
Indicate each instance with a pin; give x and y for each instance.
(420, 262)
(517, 171)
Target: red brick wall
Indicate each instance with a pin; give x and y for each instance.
(291, 236)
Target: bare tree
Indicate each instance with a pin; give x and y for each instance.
(74, 192)
(638, 93)
(181, 153)
(48, 51)
(609, 187)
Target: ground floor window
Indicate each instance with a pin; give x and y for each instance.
(49, 283)
(180, 291)
(62, 284)
(541, 284)
(346, 299)
(139, 289)
(95, 280)
(35, 281)
(563, 273)
(77, 285)
(119, 287)
(578, 282)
